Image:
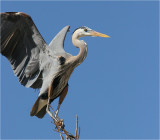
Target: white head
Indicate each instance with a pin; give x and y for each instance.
(85, 31)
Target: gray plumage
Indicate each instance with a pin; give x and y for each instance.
(36, 64)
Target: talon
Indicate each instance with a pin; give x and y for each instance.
(60, 123)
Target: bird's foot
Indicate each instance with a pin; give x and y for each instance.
(60, 123)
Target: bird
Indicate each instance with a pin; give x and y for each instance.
(38, 65)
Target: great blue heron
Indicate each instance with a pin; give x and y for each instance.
(38, 65)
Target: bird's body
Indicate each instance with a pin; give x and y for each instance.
(54, 82)
(38, 65)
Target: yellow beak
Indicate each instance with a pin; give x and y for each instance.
(94, 33)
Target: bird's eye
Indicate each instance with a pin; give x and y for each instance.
(85, 30)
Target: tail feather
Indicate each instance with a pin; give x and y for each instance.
(42, 112)
(39, 108)
(34, 108)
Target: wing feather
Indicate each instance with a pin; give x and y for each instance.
(21, 43)
(57, 44)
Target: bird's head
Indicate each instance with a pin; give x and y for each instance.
(85, 31)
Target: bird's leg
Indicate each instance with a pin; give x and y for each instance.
(56, 114)
(50, 89)
(49, 112)
(57, 121)
(61, 98)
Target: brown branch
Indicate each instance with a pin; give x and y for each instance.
(60, 126)
(76, 127)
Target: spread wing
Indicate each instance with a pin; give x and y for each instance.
(21, 43)
(57, 44)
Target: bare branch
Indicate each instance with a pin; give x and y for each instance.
(76, 126)
(60, 126)
(79, 133)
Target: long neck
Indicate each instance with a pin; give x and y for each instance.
(83, 50)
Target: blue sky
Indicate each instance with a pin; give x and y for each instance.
(114, 92)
